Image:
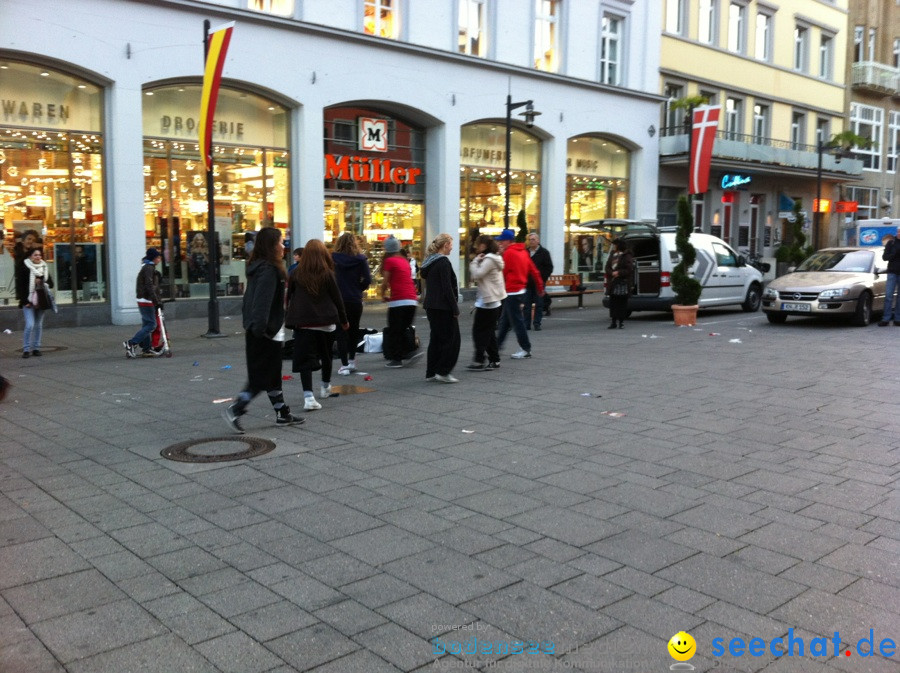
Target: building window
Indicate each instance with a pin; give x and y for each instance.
(610, 50)
(823, 131)
(709, 96)
(870, 49)
(472, 27)
(737, 27)
(896, 57)
(763, 36)
(888, 204)
(381, 18)
(707, 16)
(801, 48)
(868, 121)
(675, 16)
(760, 124)
(674, 121)
(826, 56)
(279, 7)
(798, 130)
(546, 35)
(733, 118)
(858, 32)
(893, 148)
(867, 198)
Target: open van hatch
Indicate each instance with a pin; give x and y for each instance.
(642, 238)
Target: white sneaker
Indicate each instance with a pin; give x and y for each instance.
(446, 379)
(348, 368)
(325, 390)
(521, 355)
(310, 404)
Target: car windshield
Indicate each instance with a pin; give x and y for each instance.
(853, 261)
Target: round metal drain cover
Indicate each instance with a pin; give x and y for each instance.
(217, 449)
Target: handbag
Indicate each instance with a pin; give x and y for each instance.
(620, 288)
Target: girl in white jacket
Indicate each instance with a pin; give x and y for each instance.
(486, 269)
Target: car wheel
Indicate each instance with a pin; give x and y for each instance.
(776, 318)
(753, 300)
(863, 315)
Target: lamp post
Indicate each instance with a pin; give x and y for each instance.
(530, 113)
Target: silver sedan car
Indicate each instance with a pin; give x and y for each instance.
(831, 282)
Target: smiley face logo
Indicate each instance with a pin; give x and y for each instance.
(682, 646)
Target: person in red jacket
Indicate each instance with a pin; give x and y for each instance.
(517, 269)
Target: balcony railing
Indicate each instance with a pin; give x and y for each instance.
(875, 77)
(760, 150)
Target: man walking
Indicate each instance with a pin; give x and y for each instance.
(892, 281)
(518, 269)
(541, 258)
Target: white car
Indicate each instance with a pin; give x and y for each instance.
(726, 277)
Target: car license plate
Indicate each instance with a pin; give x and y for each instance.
(787, 306)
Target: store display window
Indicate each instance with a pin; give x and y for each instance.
(51, 179)
(597, 187)
(482, 188)
(374, 169)
(251, 180)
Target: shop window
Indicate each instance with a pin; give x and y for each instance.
(250, 181)
(51, 180)
(381, 18)
(597, 187)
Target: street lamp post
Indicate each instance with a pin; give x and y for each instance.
(530, 113)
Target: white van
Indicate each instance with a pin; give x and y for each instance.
(726, 277)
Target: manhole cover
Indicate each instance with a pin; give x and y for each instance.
(350, 389)
(216, 449)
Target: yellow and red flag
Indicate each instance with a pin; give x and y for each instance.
(217, 47)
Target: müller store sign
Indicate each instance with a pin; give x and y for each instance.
(365, 169)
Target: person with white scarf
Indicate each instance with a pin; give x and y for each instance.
(34, 301)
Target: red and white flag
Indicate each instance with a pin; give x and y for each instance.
(703, 135)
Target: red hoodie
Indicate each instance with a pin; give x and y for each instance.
(517, 267)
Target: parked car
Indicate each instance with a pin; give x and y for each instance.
(831, 282)
(726, 277)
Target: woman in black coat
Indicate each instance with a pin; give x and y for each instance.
(442, 308)
(619, 279)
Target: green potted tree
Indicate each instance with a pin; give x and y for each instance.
(522, 225)
(687, 289)
(794, 250)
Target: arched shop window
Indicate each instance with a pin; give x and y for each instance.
(482, 188)
(374, 169)
(251, 183)
(51, 178)
(597, 188)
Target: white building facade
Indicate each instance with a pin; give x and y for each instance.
(380, 117)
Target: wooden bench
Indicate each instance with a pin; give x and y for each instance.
(561, 285)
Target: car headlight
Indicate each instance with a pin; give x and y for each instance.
(834, 294)
(769, 293)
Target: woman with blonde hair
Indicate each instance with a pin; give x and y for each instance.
(442, 308)
(314, 311)
(351, 269)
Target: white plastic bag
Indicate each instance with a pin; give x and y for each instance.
(371, 343)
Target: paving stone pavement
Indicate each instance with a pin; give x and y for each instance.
(736, 480)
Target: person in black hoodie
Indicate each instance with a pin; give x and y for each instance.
(351, 269)
(442, 308)
(263, 313)
(892, 284)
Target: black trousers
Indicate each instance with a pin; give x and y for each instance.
(443, 343)
(311, 345)
(399, 319)
(484, 334)
(347, 340)
(263, 368)
(618, 307)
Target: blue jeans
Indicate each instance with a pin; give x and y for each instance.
(148, 324)
(512, 317)
(891, 303)
(34, 327)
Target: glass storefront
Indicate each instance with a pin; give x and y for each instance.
(597, 187)
(51, 178)
(482, 189)
(251, 184)
(374, 182)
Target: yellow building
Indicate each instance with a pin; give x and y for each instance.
(778, 71)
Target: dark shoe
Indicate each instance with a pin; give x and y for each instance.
(36, 353)
(612, 326)
(537, 328)
(477, 367)
(621, 325)
(285, 417)
(393, 364)
(231, 416)
(883, 323)
(490, 366)
(129, 349)
(412, 357)
(26, 355)
(547, 312)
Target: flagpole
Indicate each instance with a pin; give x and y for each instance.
(212, 258)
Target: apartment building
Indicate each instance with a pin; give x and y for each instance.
(378, 117)
(778, 71)
(873, 112)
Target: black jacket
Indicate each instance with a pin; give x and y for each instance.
(542, 261)
(892, 256)
(306, 310)
(441, 286)
(263, 308)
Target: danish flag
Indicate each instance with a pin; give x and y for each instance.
(703, 135)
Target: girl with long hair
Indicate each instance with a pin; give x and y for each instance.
(351, 269)
(315, 309)
(486, 270)
(33, 300)
(263, 314)
(442, 308)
